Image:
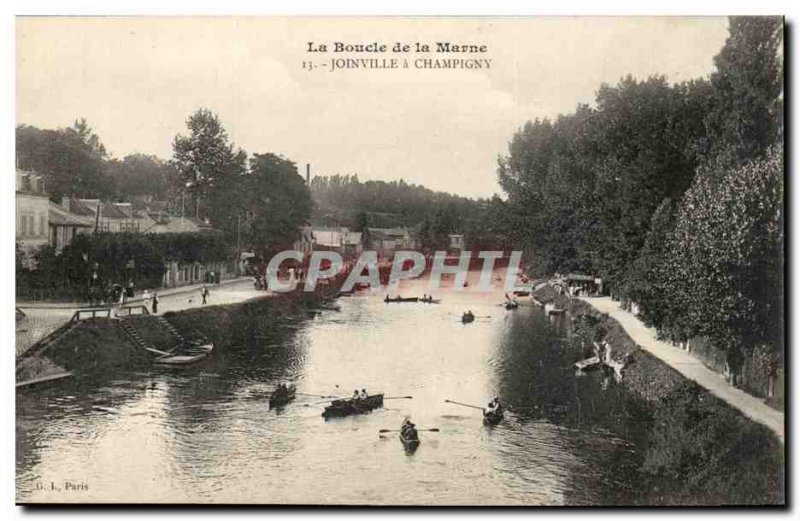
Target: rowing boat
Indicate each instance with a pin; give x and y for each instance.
(466, 318)
(492, 417)
(409, 439)
(401, 299)
(430, 300)
(348, 407)
(280, 397)
(186, 355)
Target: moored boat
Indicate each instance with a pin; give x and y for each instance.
(185, 355)
(348, 407)
(282, 396)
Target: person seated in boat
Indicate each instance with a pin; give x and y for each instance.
(363, 394)
(495, 406)
(409, 430)
(356, 395)
(386, 299)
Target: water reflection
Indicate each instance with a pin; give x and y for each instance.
(207, 434)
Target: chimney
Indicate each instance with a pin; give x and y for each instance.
(65, 202)
(308, 174)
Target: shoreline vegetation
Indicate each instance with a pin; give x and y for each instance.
(700, 448)
(672, 194)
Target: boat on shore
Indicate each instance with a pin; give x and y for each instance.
(350, 406)
(188, 354)
(281, 397)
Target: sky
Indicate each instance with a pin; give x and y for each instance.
(136, 80)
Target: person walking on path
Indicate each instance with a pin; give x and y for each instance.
(155, 303)
(204, 293)
(146, 298)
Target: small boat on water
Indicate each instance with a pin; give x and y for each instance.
(492, 417)
(522, 293)
(349, 407)
(186, 354)
(466, 318)
(400, 299)
(282, 396)
(409, 439)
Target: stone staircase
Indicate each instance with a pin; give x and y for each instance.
(138, 340)
(167, 324)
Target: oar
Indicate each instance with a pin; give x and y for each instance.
(324, 401)
(399, 430)
(465, 404)
(398, 398)
(316, 395)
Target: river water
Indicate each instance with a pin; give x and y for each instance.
(206, 434)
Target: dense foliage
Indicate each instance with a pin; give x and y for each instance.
(344, 200)
(670, 192)
(116, 258)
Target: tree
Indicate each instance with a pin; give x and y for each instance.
(279, 203)
(362, 221)
(727, 254)
(142, 175)
(72, 160)
(209, 166)
(745, 118)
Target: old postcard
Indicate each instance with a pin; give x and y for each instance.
(512, 261)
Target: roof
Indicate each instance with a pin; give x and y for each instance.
(58, 216)
(578, 276)
(387, 233)
(352, 238)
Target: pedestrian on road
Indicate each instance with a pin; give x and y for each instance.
(146, 298)
(155, 303)
(204, 293)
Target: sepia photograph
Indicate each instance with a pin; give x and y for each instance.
(530, 261)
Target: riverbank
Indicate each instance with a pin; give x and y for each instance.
(100, 345)
(706, 448)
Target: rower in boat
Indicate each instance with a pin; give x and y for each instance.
(493, 413)
(467, 317)
(409, 435)
(282, 395)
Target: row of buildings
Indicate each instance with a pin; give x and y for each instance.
(41, 222)
(385, 241)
